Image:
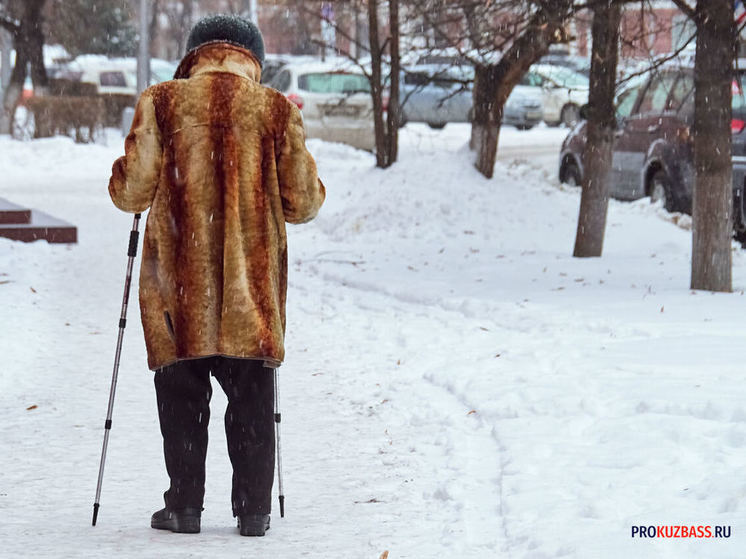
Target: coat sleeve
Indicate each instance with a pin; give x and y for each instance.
(301, 190)
(134, 176)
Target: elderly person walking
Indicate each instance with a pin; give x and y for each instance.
(221, 162)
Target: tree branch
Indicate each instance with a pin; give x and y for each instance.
(685, 8)
(9, 22)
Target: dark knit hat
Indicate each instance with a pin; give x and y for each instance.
(230, 29)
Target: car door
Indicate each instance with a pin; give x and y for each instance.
(337, 107)
(459, 98)
(550, 108)
(625, 105)
(643, 127)
(418, 96)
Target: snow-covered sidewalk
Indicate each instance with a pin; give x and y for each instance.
(455, 384)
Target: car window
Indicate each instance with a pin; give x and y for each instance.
(626, 101)
(333, 82)
(565, 77)
(271, 67)
(654, 98)
(281, 82)
(443, 60)
(532, 80)
(681, 90)
(112, 79)
(416, 78)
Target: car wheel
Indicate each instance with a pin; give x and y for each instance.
(524, 126)
(571, 174)
(660, 190)
(570, 115)
(436, 125)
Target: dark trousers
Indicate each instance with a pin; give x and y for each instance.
(183, 392)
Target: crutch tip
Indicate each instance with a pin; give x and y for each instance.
(95, 513)
(282, 506)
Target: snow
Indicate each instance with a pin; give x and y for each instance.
(456, 384)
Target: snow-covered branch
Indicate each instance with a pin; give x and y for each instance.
(8, 22)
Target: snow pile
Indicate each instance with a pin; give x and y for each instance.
(455, 382)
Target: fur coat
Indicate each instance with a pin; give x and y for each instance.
(221, 162)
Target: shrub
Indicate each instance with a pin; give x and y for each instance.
(78, 117)
(114, 105)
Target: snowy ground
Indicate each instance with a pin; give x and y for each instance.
(456, 384)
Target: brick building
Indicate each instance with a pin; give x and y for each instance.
(658, 28)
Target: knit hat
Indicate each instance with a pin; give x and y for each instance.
(230, 29)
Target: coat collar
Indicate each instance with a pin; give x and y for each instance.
(219, 56)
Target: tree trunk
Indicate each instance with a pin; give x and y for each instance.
(386, 131)
(713, 195)
(392, 119)
(6, 45)
(498, 81)
(153, 27)
(12, 95)
(597, 154)
(376, 90)
(28, 40)
(486, 119)
(35, 36)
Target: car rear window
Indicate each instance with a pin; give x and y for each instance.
(654, 98)
(681, 91)
(423, 79)
(333, 82)
(564, 77)
(113, 79)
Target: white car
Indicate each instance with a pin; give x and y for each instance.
(334, 99)
(564, 92)
(115, 75)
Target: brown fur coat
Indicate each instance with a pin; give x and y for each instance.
(221, 162)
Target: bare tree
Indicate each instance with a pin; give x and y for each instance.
(179, 16)
(379, 61)
(387, 133)
(713, 188)
(601, 125)
(501, 39)
(23, 19)
(712, 227)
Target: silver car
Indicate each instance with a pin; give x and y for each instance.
(438, 95)
(334, 99)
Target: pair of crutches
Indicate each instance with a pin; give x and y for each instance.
(132, 253)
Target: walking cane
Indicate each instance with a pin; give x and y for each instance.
(278, 418)
(131, 253)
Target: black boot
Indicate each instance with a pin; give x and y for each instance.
(253, 524)
(186, 521)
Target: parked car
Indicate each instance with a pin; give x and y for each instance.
(115, 75)
(334, 99)
(563, 90)
(653, 149)
(438, 95)
(580, 64)
(273, 63)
